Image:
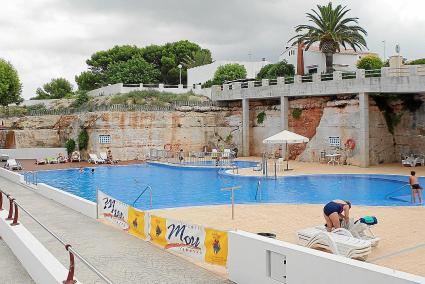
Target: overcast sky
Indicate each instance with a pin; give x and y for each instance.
(46, 39)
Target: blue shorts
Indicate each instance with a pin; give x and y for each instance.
(332, 207)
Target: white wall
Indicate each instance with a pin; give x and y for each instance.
(33, 153)
(317, 58)
(201, 74)
(255, 259)
(40, 264)
(74, 202)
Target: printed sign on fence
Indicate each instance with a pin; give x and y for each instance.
(158, 230)
(216, 243)
(136, 223)
(113, 210)
(185, 238)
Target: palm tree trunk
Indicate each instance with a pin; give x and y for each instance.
(329, 62)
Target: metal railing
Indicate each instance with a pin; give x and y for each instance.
(143, 192)
(258, 192)
(14, 216)
(198, 158)
(31, 177)
(14, 111)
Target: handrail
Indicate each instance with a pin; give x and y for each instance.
(258, 190)
(68, 247)
(140, 195)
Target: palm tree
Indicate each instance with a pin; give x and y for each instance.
(331, 29)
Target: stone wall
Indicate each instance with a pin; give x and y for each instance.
(132, 133)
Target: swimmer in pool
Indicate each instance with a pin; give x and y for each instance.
(335, 210)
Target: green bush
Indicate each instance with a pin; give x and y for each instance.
(370, 62)
(280, 69)
(417, 61)
(83, 139)
(81, 98)
(70, 146)
(153, 98)
(229, 72)
(261, 117)
(296, 113)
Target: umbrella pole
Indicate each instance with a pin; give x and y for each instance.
(287, 157)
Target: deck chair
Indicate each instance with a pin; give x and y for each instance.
(12, 164)
(4, 157)
(94, 159)
(51, 160)
(75, 156)
(40, 161)
(258, 167)
(227, 154)
(338, 242)
(356, 230)
(214, 154)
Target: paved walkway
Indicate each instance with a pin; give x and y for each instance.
(11, 270)
(120, 256)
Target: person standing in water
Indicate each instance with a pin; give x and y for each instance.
(415, 187)
(335, 210)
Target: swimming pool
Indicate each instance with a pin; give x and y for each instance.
(177, 187)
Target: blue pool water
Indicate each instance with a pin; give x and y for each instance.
(176, 187)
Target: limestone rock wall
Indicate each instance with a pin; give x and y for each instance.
(132, 133)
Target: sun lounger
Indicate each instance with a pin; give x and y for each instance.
(51, 160)
(94, 159)
(12, 164)
(227, 154)
(4, 157)
(339, 242)
(214, 154)
(40, 161)
(258, 167)
(356, 230)
(412, 161)
(75, 156)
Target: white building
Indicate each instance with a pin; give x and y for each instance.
(201, 74)
(315, 62)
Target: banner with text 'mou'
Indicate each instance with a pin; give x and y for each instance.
(112, 210)
(195, 241)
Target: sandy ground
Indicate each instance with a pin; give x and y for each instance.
(399, 227)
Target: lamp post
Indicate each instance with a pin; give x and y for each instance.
(180, 76)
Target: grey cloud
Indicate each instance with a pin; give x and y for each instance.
(50, 38)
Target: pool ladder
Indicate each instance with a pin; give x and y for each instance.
(258, 192)
(33, 176)
(140, 195)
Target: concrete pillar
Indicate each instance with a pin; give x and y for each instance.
(316, 77)
(161, 87)
(360, 74)
(245, 127)
(264, 82)
(363, 142)
(251, 84)
(337, 75)
(281, 80)
(284, 109)
(297, 79)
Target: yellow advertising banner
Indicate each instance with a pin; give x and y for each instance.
(216, 246)
(158, 230)
(136, 223)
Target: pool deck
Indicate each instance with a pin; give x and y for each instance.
(401, 229)
(120, 256)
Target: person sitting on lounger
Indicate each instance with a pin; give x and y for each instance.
(109, 156)
(416, 188)
(335, 210)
